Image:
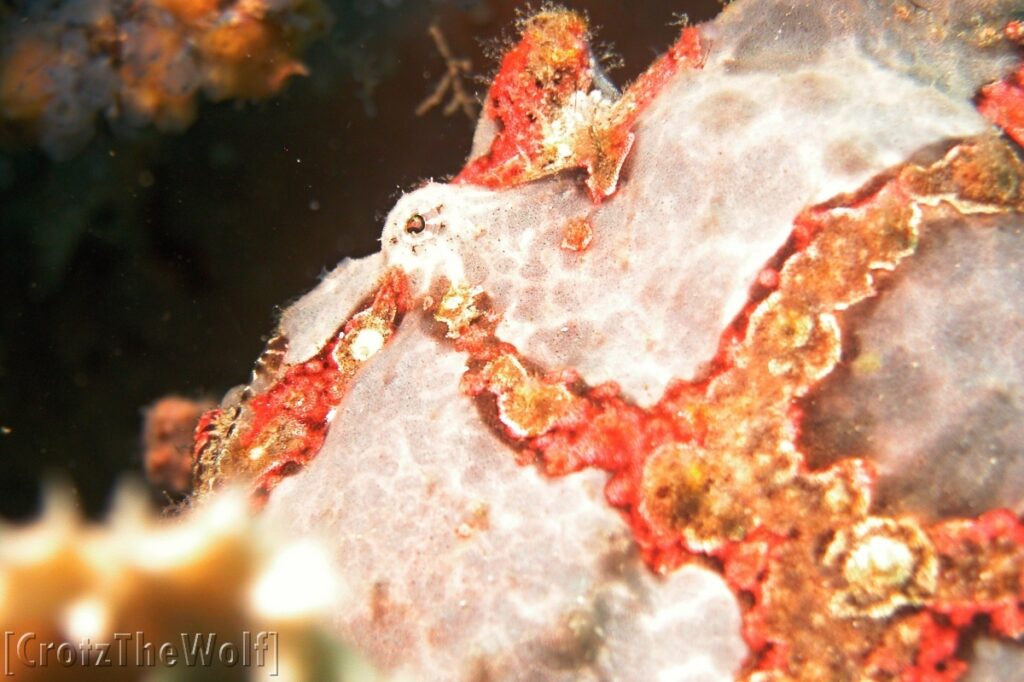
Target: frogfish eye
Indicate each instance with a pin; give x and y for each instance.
(415, 224)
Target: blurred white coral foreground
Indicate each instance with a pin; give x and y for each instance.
(217, 571)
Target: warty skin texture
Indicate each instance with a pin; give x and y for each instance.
(794, 117)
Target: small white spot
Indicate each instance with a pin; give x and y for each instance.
(880, 558)
(366, 344)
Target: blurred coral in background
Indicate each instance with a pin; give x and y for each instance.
(65, 63)
(167, 435)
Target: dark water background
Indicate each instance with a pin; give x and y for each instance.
(157, 264)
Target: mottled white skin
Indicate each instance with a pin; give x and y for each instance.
(938, 42)
(406, 463)
(315, 318)
(674, 255)
(792, 107)
(995, 661)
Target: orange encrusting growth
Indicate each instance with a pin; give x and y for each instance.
(145, 62)
(26, 81)
(579, 232)
(250, 58)
(712, 472)
(144, 84)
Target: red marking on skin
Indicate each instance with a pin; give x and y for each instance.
(287, 422)
(601, 430)
(615, 135)
(1002, 103)
(538, 78)
(935, 660)
(305, 395)
(745, 566)
(204, 429)
(804, 230)
(686, 53)
(961, 539)
(1015, 31)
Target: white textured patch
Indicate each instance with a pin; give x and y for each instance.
(312, 320)
(366, 344)
(543, 584)
(723, 163)
(995, 661)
